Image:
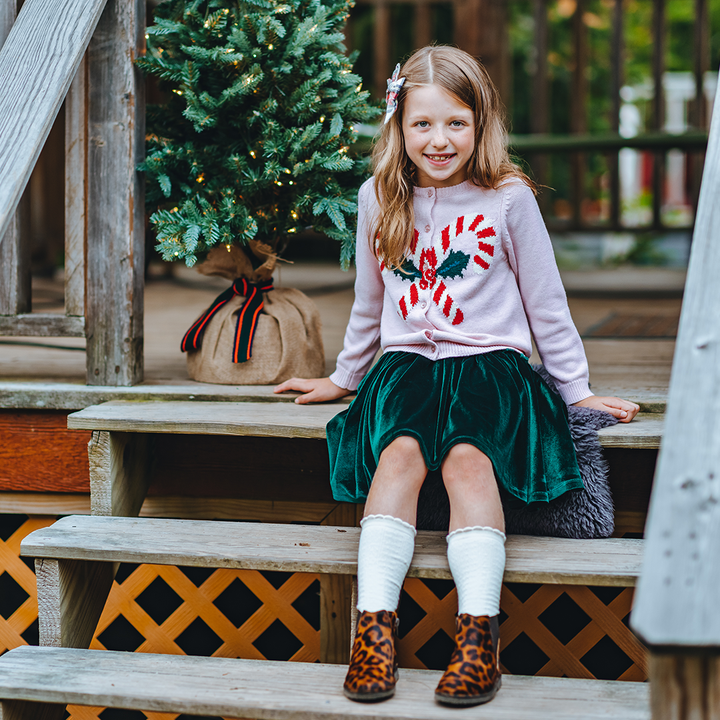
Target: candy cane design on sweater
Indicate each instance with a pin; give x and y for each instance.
(429, 268)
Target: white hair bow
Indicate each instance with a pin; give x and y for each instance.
(393, 88)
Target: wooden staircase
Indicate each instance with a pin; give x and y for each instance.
(77, 557)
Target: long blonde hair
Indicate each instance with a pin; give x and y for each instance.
(464, 77)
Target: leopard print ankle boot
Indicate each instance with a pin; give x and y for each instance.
(373, 665)
(473, 675)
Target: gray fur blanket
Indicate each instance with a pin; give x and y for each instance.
(584, 513)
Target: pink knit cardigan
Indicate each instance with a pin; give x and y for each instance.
(480, 276)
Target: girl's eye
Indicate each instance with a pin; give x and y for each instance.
(422, 123)
(458, 123)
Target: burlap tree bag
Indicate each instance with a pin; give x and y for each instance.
(287, 338)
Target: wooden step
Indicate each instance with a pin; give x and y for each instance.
(317, 549)
(269, 419)
(280, 691)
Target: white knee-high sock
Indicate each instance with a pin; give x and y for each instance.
(477, 561)
(386, 549)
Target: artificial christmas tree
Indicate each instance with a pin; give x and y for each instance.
(252, 147)
(254, 141)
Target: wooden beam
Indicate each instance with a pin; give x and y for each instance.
(578, 109)
(42, 325)
(381, 47)
(676, 603)
(657, 118)
(119, 473)
(115, 197)
(37, 64)
(15, 281)
(423, 24)
(71, 598)
(617, 58)
(684, 687)
(76, 192)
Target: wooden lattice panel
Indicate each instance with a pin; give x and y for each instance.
(18, 590)
(550, 630)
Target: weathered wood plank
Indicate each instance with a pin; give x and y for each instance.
(684, 687)
(74, 396)
(15, 280)
(37, 63)
(280, 420)
(42, 325)
(288, 691)
(676, 603)
(120, 468)
(75, 192)
(196, 508)
(115, 197)
(71, 597)
(323, 549)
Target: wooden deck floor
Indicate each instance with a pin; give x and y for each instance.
(629, 367)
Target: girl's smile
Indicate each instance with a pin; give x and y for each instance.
(439, 134)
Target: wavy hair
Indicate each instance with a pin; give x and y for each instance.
(489, 166)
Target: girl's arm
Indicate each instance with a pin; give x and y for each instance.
(362, 337)
(543, 295)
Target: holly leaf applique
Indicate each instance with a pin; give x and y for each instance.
(407, 271)
(454, 264)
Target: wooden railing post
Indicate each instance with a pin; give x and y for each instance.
(115, 202)
(14, 254)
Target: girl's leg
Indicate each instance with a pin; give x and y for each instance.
(476, 555)
(387, 543)
(387, 540)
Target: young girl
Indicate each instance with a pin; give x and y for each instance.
(454, 271)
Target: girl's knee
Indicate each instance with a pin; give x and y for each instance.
(464, 463)
(403, 449)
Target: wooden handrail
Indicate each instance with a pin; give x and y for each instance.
(37, 63)
(677, 599)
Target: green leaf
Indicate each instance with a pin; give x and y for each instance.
(453, 265)
(407, 271)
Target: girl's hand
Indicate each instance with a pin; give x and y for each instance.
(623, 410)
(315, 389)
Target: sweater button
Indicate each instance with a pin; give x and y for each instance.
(427, 228)
(430, 192)
(423, 304)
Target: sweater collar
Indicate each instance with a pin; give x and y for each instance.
(440, 192)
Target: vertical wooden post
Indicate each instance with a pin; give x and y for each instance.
(115, 199)
(578, 119)
(335, 599)
(381, 59)
(617, 53)
(76, 192)
(423, 24)
(698, 115)
(658, 107)
(684, 687)
(540, 117)
(15, 291)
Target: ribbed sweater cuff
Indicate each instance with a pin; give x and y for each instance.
(574, 391)
(345, 379)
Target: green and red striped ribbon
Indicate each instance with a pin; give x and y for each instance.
(247, 318)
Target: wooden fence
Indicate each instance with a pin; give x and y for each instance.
(42, 60)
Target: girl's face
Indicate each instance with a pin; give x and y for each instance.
(439, 134)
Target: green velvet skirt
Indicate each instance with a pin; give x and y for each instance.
(494, 401)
